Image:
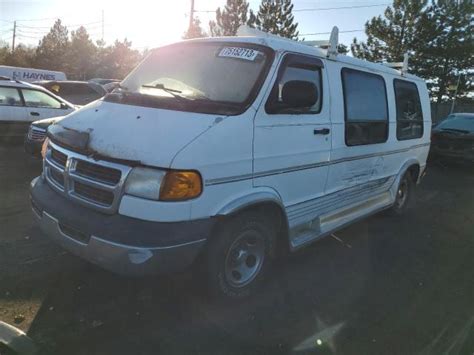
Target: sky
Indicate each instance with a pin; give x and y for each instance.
(152, 23)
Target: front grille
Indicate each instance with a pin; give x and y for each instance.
(36, 134)
(58, 157)
(98, 172)
(94, 194)
(57, 177)
(94, 183)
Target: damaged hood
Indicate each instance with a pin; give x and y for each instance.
(149, 136)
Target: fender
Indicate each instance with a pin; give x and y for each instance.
(253, 197)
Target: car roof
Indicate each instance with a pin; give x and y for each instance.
(16, 83)
(281, 44)
(463, 114)
(95, 86)
(23, 84)
(67, 82)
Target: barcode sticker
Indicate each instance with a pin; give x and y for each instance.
(239, 53)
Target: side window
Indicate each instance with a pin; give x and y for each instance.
(35, 98)
(365, 104)
(298, 77)
(409, 114)
(10, 97)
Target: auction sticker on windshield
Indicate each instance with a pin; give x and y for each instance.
(239, 53)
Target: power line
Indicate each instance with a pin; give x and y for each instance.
(340, 8)
(319, 8)
(96, 23)
(328, 33)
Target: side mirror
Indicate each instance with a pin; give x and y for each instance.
(64, 106)
(299, 94)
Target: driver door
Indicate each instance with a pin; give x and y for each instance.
(40, 105)
(292, 146)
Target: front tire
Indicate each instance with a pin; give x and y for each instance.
(240, 255)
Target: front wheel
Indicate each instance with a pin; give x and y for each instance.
(405, 195)
(240, 255)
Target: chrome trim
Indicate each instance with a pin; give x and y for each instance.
(149, 248)
(70, 177)
(36, 133)
(236, 178)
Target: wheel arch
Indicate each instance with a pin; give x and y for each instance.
(412, 166)
(266, 201)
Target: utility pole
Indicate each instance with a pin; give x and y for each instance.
(191, 15)
(102, 25)
(14, 35)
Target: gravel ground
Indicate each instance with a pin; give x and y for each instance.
(385, 286)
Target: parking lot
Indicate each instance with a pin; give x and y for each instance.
(384, 285)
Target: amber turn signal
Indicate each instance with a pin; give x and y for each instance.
(44, 147)
(180, 185)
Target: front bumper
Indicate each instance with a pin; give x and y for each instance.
(118, 243)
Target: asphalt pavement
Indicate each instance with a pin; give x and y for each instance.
(384, 285)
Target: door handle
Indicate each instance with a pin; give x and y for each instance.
(323, 131)
(33, 113)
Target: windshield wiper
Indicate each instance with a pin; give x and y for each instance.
(173, 92)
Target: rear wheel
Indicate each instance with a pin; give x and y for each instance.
(404, 195)
(240, 255)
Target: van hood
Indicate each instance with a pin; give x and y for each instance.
(148, 136)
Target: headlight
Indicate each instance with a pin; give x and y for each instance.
(144, 182)
(154, 184)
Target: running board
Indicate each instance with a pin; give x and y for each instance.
(330, 222)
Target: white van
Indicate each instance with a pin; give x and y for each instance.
(227, 150)
(30, 74)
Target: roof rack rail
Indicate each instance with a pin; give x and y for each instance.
(402, 66)
(331, 45)
(247, 31)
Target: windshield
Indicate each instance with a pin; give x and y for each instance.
(463, 123)
(206, 77)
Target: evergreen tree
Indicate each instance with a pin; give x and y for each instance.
(51, 52)
(195, 30)
(117, 61)
(81, 55)
(437, 36)
(228, 20)
(23, 56)
(389, 37)
(275, 16)
(448, 53)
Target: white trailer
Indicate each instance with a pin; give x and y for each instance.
(29, 74)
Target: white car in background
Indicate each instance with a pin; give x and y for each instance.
(22, 103)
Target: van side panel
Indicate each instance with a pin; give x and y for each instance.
(363, 179)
